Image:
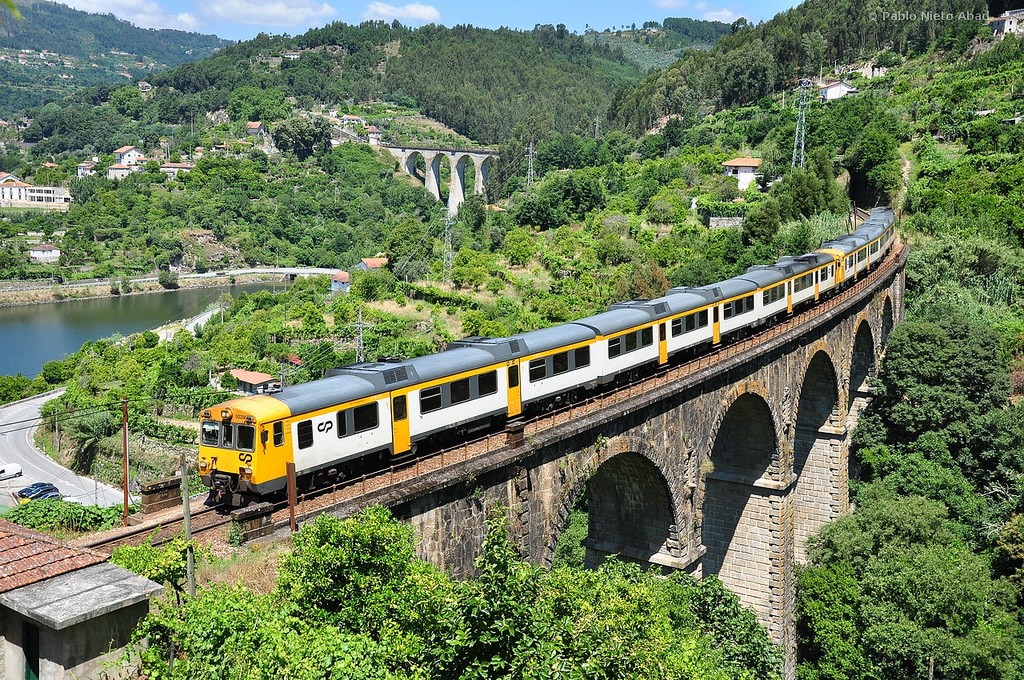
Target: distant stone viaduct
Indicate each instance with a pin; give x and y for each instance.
(457, 159)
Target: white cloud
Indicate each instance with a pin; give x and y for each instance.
(724, 15)
(670, 4)
(284, 13)
(415, 12)
(143, 13)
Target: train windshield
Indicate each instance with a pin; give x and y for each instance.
(228, 435)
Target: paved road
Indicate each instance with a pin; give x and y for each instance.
(17, 423)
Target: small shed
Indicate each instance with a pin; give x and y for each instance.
(340, 282)
(837, 89)
(254, 382)
(45, 253)
(371, 263)
(65, 612)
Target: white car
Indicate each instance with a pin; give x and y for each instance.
(9, 470)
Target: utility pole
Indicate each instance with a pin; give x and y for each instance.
(529, 167)
(799, 155)
(190, 560)
(124, 441)
(449, 256)
(597, 127)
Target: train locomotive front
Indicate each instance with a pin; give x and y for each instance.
(234, 459)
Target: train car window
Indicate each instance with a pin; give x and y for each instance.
(211, 433)
(702, 319)
(488, 383)
(582, 357)
(228, 434)
(246, 438)
(631, 341)
(399, 408)
(305, 432)
(748, 304)
(727, 310)
(342, 424)
(715, 314)
(460, 391)
(430, 399)
(614, 347)
(513, 376)
(365, 418)
(661, 332)
(538, 369)
(677, 325)
(862, 255)
(278, 434)
(646, 337)
(560, 363)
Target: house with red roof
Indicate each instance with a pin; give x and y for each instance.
(128, 155)
(744, 169)
(254, 382)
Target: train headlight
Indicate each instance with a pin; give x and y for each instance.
(245, 473)
(203, 464)
(225, 414)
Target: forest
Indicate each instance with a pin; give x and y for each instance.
(925, 578)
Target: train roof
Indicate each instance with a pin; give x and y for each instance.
(530, 342)
(763, 275)
(656, 309)
(719, 291)
(387, 375)
(329, 391)
(841, 245)
(680, 302)
(614, 320)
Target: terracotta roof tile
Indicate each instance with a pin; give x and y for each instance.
(251, 377)
(28, 557)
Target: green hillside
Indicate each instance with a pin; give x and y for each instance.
(55, 50)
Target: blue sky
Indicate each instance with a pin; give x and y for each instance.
(242, 19)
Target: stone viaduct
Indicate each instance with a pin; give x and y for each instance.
(457, 159)
(722, 465)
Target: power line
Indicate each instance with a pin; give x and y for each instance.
(799, 155)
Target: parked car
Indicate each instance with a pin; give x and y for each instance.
(47, 495)
(9, 470)
(33, 490)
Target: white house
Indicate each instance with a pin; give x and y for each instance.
(837, 89)
(340, 282)
(14, 193)
(120, 170)
(255, 129)
(373, 135)
(1010, 22)
(45, 253)
(743, 169)
(349, 119)
(173, 169)
(292, 56)
(128, 155)
(86, 168)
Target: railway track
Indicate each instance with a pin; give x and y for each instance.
(373, 482)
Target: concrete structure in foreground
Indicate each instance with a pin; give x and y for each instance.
(723, 467)
(64, 611)
(457, 159)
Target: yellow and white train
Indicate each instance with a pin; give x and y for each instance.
(385, 409)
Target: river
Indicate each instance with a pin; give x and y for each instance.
(31, 335)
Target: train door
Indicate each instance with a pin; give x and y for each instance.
(662, 344)
(400, 423)
(515, 395)
(716, 330)
(817, 276)
(789, 297)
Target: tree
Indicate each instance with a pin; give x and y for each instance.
(304, 136)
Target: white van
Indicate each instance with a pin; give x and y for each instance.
(9, 470)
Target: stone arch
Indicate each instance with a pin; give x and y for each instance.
(482, 173)
(820, 492)
(862, 364)
(887, 320)
(738, 514)
(631, 505)
(457, 180)
(411, 165)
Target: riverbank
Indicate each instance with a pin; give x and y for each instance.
(15, 297)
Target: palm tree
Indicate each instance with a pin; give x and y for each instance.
(11, 7)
